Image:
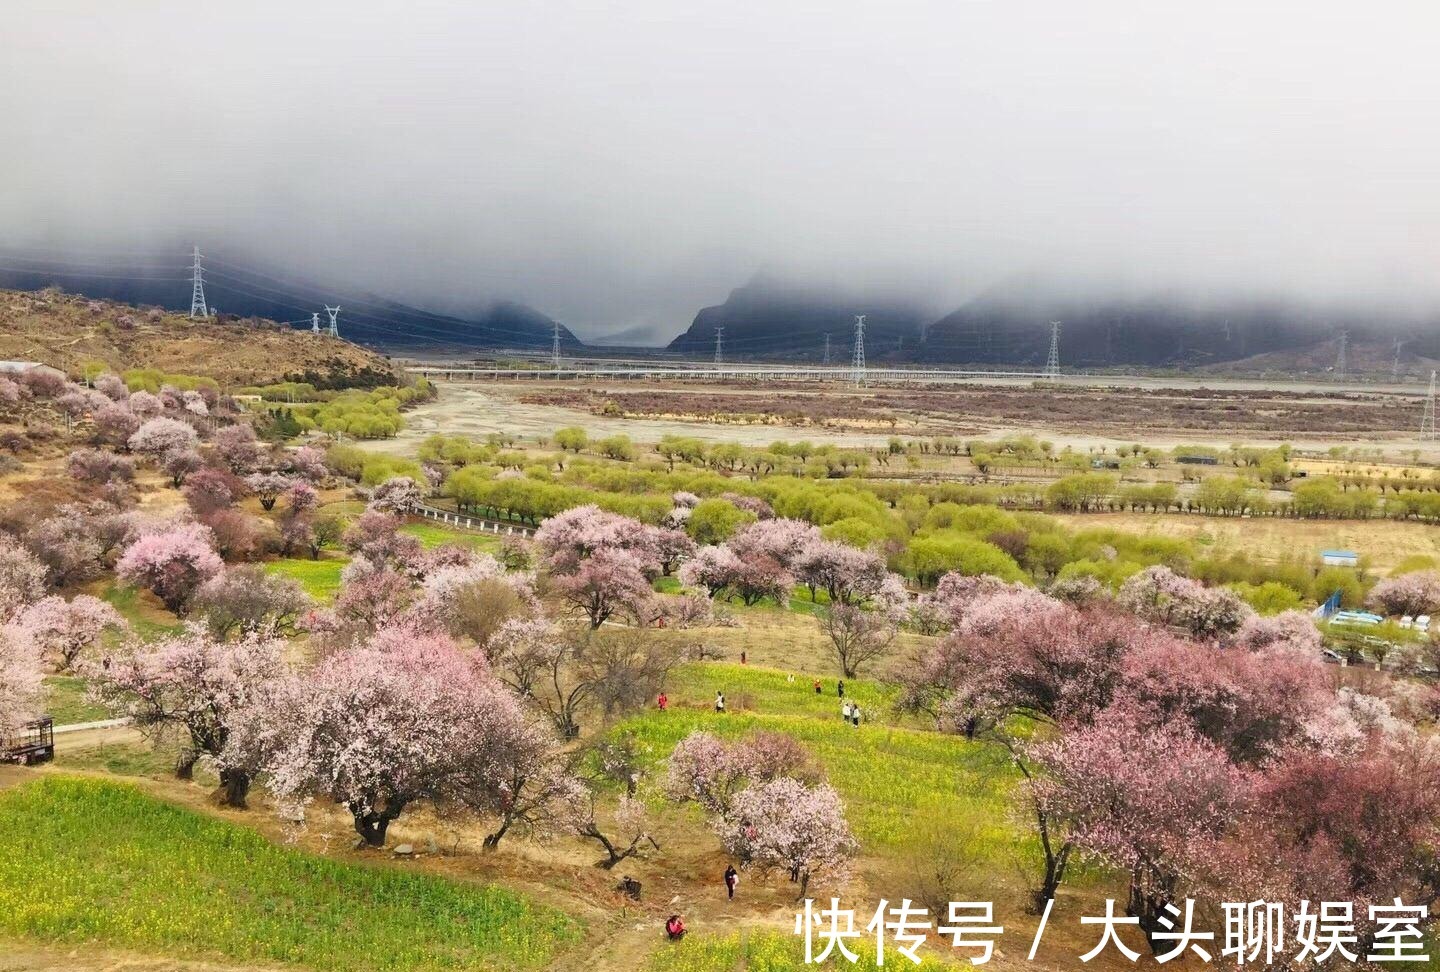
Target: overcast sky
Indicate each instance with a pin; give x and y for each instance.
(622, 164)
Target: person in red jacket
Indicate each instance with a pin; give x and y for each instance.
(675, 928)
(663, 702)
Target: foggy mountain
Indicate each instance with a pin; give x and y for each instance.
(365, 318)
(770, 318)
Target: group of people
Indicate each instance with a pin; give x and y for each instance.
(850, 712)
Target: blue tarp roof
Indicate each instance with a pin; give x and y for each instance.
(1338, 553)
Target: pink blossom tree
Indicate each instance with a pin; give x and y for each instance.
(850, 576)
(22, 578)
(146, 405)
(568, 538)
(209, 489)
(201, 689)
(267, 487)
(788, 826)
(235, 446)
(1417, 593)
(398, 494)
(375, 728)
(1150, 801)
(308, 463)
(112, 386)
(610, 580)
(248, 600)
(114, 424)
(64, 630)
(20, 681)
(1160, 595)
(711, 772)
(375, 536)
(96, 467)
(159, 437)
(171, 563)
(180, 464)
(781, 540)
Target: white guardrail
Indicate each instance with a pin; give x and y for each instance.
(479, 524)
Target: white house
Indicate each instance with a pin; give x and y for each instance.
(1339, 558)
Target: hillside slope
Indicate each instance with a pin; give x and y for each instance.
(66, 332)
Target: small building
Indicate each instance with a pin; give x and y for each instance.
(1198, 460)
(1339, 558)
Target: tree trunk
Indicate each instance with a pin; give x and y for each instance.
(371, 826)
(234, 788)
(492, 841)
(185, 765)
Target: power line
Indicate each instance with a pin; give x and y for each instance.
(555, 345)
(827, 347)
(315, 323)
(197, 287)
(1395, 363)
(334, 313)
(1340, 359)
(719, 344)
(857, 358)
(1427, 419)
(1052, 360)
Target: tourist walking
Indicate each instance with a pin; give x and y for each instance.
(719, 701)
(732, 878)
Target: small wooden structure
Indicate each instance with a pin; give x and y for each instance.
(34, 743)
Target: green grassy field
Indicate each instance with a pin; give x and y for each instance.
(320, 578)
(66, 703)
(148, 621)
(432, 535)
(91, 861)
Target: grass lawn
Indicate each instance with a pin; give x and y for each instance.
(800, 601)
(433, 535)
(320, 578)
(66, 703)
(92, 861)
(147, 617)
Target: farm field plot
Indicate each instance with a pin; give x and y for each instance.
(1381, 543)
(123, 869)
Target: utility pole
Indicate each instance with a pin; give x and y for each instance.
(1395, 362)
(827, 347)
(1052, 360)
(315, 323)
(1340, 359)
(857, 360)
(197, 287)
(719, 344)
(334, 313)
(555, 346)
(1427, 420)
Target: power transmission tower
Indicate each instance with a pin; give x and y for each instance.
(555, 347)
(719, 344)
(1340, 359)
(1052, 360)
(334, 313)
(1395, 362)
(857, 360)
(827, 347)
(197, 288)
(315, 323)
(1427, 420)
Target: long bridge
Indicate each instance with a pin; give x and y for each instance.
(444, 372)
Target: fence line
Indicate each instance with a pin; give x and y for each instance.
(479, 524)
